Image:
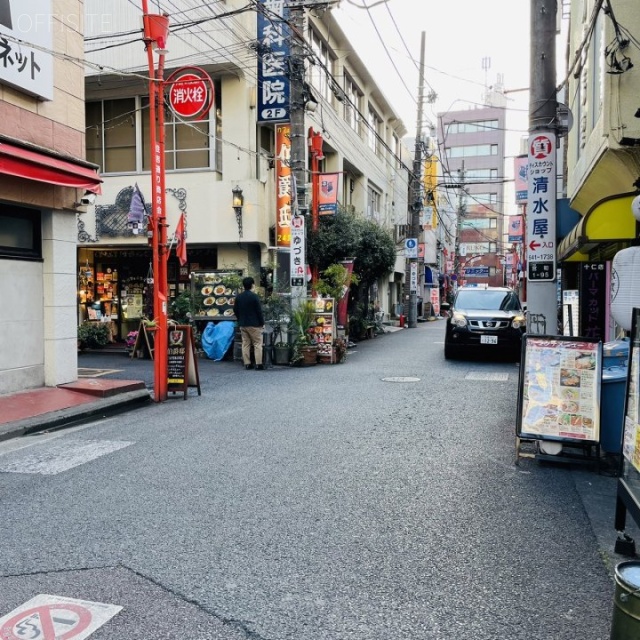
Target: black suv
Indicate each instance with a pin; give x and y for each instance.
(485, 319)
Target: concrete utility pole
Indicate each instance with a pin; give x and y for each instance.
(411, 276)
(542, 305)
(298, 132)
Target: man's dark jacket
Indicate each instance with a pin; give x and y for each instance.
(248, 310)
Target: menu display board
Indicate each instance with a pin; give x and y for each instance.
(324, 330)
(214, 292)
(182, 365)
(559, 395)
(628, 497)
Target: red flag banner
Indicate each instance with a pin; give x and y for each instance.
(328, 194)
(181, 240)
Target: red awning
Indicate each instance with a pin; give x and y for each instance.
(34, 165)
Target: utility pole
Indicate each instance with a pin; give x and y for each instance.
(411, 277)
(540, 238)
(298, 133)
(460, 214)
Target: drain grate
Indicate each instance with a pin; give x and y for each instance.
(400, 379)
(492, 377)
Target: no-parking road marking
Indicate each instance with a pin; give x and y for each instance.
(48, 617)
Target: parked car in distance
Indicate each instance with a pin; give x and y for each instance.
(485, 320)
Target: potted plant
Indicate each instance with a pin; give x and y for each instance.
(281, 353)
(93, 335)
(305, 349)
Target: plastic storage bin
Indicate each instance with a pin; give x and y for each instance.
(615, 353)
(614, 384)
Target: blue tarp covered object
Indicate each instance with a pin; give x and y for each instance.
(217, 338)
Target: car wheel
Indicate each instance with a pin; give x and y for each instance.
(449, 351)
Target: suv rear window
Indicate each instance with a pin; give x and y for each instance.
(486, 299)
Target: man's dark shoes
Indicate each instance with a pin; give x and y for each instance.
(260, 367)
(248, 366)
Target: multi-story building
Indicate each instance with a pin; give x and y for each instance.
(44, 179)
(472, 149)
(233, 147)
(603, 150)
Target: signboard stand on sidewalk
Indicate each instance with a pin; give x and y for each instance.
(628, 494)
(559, 398)
(182, 367)
(145, 342)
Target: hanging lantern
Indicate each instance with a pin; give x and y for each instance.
(625, 285)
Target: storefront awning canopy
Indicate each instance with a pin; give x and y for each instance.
(609, 221)
(31, 164)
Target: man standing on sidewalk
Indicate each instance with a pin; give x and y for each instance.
(248, 310)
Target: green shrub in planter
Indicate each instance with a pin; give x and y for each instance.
(93, 335)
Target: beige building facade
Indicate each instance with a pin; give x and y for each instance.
(231, 148)
(43, 177)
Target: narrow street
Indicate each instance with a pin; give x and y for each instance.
(319, 503)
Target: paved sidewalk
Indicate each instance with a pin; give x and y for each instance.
(53, 407)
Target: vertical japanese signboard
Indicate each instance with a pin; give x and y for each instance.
(274, 38)
(593, 294)
(541, 207)
(298, 269)
(284, 185)
(521, 178)
(24, 23)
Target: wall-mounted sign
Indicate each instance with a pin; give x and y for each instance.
(274, 38)
(191, 92)
(284, 185)
(24, 23)
(297, 256)
(541, 207)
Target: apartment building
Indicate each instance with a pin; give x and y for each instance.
(603, 151)
(233, 148)
(43, 181)
(471, 146)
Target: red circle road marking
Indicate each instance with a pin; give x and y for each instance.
(44, 613)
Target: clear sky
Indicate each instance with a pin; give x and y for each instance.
(460, 36)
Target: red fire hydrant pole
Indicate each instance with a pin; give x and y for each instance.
(156, 31)
(314, 141)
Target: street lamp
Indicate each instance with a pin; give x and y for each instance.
(238, 202)
(156, 32)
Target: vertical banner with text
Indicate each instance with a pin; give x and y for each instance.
(284, 185)
(328, 194)
(298, 267)
(541, 207)
(274, 52)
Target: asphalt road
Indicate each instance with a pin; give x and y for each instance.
(306, 504)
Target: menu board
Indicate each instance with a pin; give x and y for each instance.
(559, 396)
(214, 293)
(324, 325)
(631, 438)
(182, 365)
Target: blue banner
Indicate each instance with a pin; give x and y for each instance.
(274, 37)
(476, 272)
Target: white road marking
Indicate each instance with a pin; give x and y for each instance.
(481, 375)
(51, 458)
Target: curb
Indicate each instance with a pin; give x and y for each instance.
(102, 407)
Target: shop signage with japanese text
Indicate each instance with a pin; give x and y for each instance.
(541, 207)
